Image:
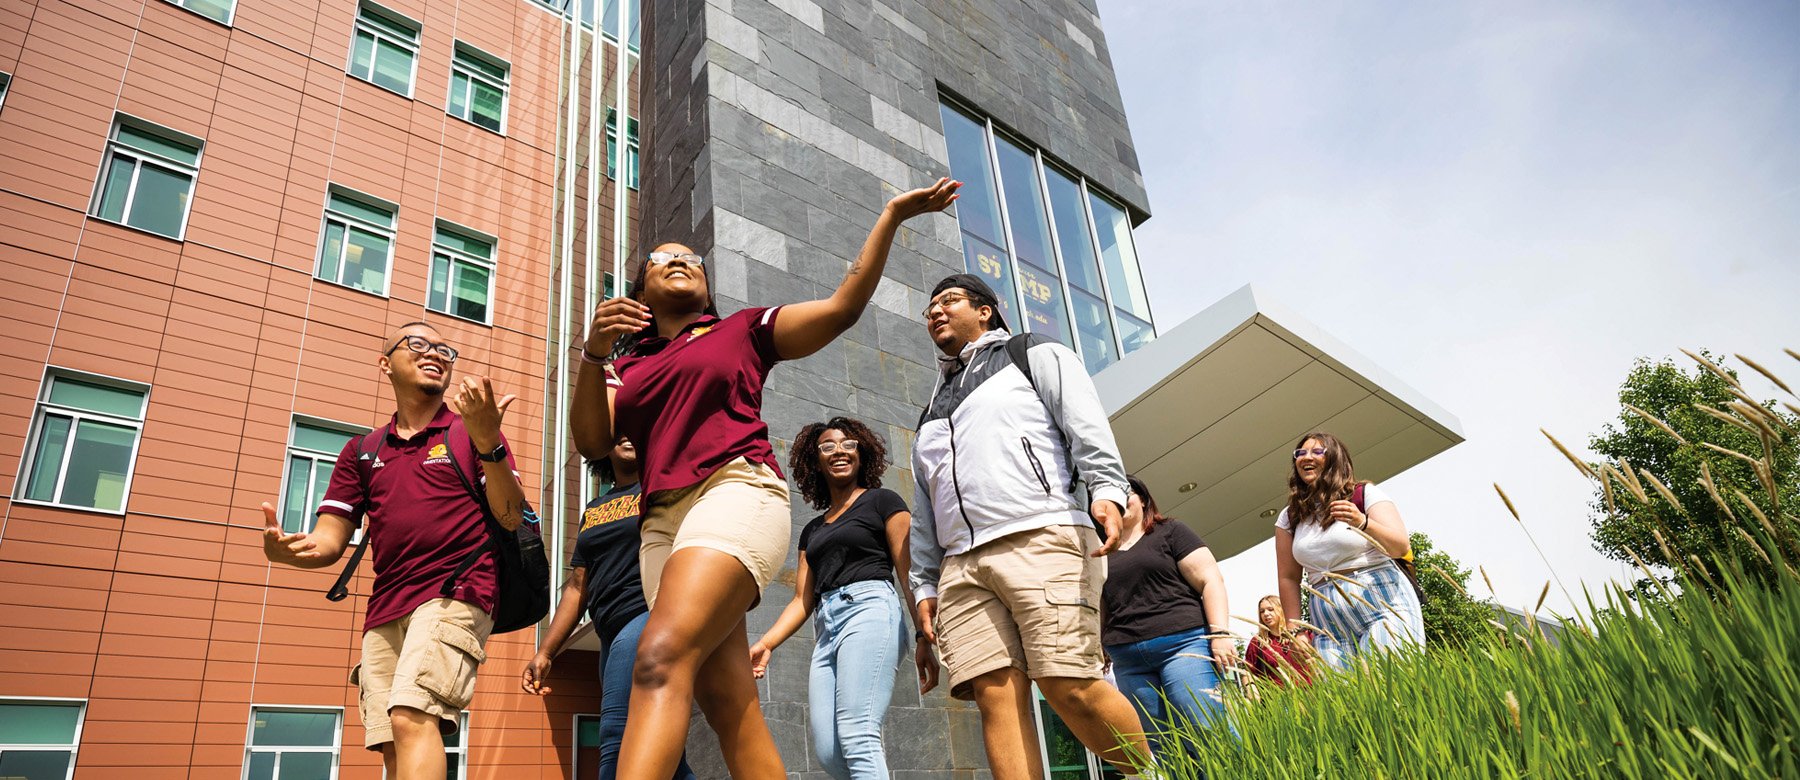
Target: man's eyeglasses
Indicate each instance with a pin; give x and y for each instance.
(422, 345)
(943, 302)
(662, 258)
(1318, 452)
(831, 447)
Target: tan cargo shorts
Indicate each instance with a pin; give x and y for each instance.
(740, 510)
(426, 661)
(1029, 600)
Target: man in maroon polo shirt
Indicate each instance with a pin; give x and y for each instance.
(420, 650)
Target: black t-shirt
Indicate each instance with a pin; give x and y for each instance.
(1145, 595)
(854, 547)
(608, 548)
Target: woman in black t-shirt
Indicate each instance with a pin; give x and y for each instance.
(604, 584)
(1164, 620)
(848, 557)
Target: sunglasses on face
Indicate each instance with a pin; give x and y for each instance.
(832, 447)
(663, 258)
(421, 345)
(1317, 452)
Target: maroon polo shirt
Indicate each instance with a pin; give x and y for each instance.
(694, 403)
(422, 521)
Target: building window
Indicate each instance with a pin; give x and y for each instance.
(462, 273)
(83, 442)
(39, 737)
(612, 148)
(5, 81)
(292, 743)
(358, 241)
(1065, 758)
(478, 88)
(148, 179)
(456, 750)
(216, 10)
(1040, 237)
(385, 51)
(313, 447)
(587, 747)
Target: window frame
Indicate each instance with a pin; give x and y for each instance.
(337, 738)
(575, 741)
(391, 233)
(317, 457)
(42, 405)
(362, 25)
(632, 160)
(74, 747)
(116, 148)
(458, 52)
(230, 11)
(454, 257)
(5, 86)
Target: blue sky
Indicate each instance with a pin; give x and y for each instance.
(1502, 204)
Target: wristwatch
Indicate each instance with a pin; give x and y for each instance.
(497, 456)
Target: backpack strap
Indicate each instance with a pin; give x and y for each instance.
(1017, 349)
(487, 517)
(1356, 497)
(341, 588)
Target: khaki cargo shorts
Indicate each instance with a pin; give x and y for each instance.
(1029, 600)
(740, 510)
(426, 661)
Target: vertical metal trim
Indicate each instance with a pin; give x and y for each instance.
(1062, 270)
(1112, 312)
(1006, 233)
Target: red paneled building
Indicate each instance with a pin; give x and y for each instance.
(211, 214)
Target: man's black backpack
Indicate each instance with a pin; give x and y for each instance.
(524, 569)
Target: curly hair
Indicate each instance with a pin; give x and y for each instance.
(803, 459)
(1336, 482)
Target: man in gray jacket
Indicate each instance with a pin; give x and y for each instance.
(1019, 495)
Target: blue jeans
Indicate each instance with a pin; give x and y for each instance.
(617, 655)
(1170, 678)
(860, 635)
(1379, 612)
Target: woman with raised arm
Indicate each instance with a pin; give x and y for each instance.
(604, 584)
(848, 556)
(1343, 536)
(1165, 623)
(686, 387)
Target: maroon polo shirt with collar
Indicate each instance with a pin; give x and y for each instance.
(694, 403)
(422, 521)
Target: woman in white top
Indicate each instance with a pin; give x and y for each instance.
(1343, 536)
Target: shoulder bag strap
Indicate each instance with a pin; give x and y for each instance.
(340, 589)
(487, 519)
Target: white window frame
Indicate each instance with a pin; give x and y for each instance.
(575, 741)
(5, 84)
(633, 150)
(317, 457)
(379, 34)
(116, 149)
(456, 257)
(461, 750)
(44, 407)
(74, 747)
(349, 221)
(337, 738)
(230, 13)
(462, 51)
(1095, 768)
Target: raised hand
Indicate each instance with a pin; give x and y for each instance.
(613, 318)
(474, 400)
(924, 200)
(278, 547)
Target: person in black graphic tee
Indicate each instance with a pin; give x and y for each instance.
(848, 556)
(604, 585)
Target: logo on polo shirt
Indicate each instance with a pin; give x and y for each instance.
(437, 451)
(698, 332)
(438, 454)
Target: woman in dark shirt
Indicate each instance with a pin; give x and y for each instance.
(603, 584)
(1165, 616)
(686, 388)
(848, 557)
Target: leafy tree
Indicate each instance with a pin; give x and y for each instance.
(1452, 616)
(1648, 463)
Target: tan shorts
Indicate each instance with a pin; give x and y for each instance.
(1029, 600)
(426, 661)
(741, 510)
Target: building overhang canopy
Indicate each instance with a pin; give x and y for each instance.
(1208, 415)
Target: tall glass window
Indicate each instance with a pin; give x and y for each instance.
(1119, 255)
(462, 274)
(39, 737)
(148, 181)
(478, 85)
(1046, 243)
(357, 243)
(312, 453)
(83, 442)
(612, 148)
(385, 50)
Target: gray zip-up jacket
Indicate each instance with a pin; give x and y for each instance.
(994, 457)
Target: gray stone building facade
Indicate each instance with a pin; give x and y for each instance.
(774, 132)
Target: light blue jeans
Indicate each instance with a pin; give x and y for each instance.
(618, 653)
(1170, 678)
(860, 636)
